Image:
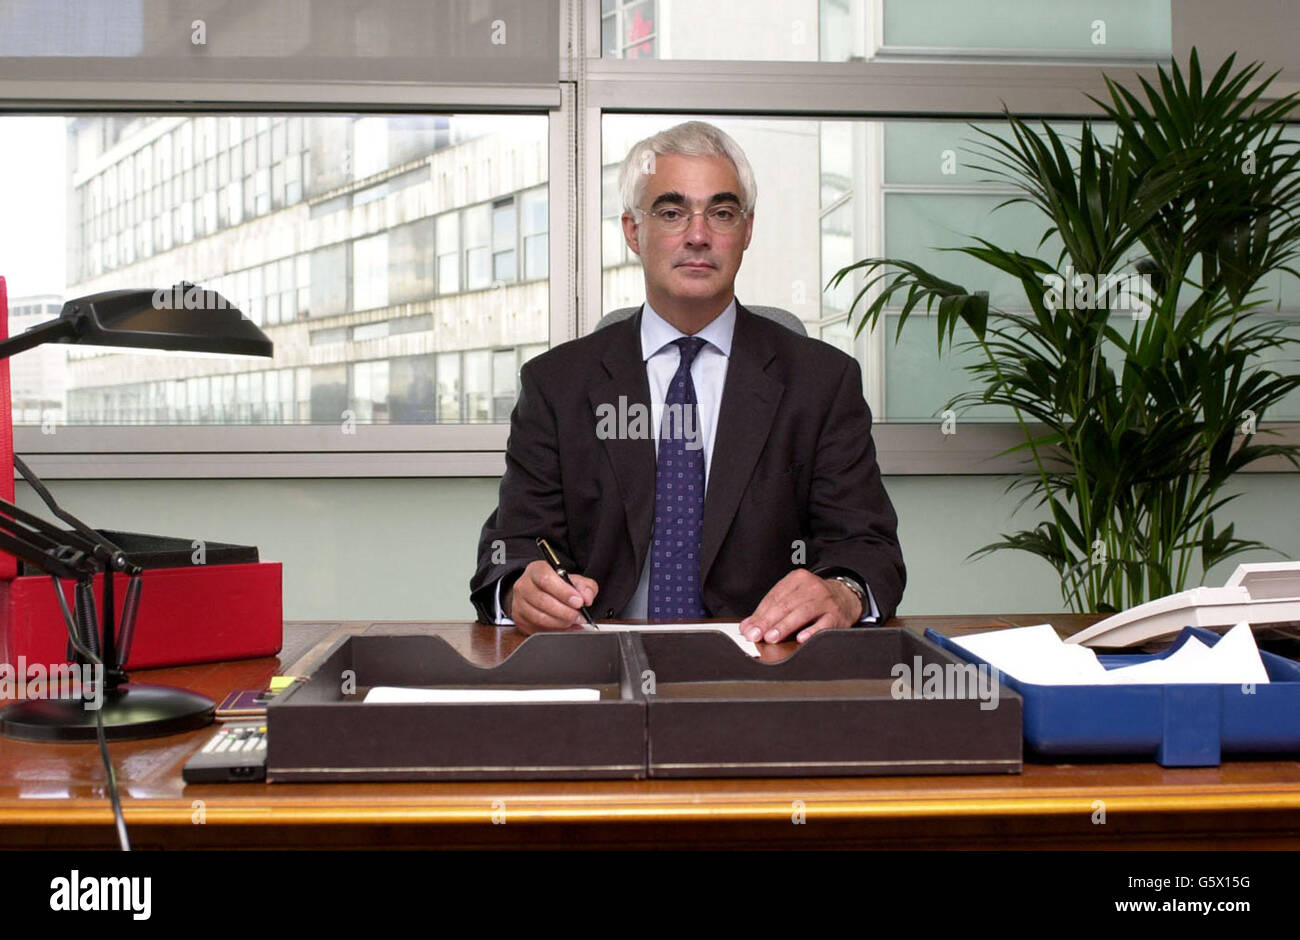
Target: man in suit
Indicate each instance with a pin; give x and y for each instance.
(695, 460)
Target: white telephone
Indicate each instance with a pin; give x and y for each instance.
(1261, 593)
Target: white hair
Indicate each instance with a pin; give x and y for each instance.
(692, 139)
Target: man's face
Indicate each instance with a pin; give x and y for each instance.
(697, 266)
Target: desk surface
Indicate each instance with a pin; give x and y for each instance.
(53, 795)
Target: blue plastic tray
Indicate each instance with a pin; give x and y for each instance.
(1180, 725)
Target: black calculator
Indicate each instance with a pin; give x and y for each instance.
(236, 753)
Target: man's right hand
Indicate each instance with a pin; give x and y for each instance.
(540, 600)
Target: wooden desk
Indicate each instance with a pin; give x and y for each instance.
(53, 795)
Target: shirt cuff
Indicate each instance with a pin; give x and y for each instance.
(501, 619)
(870, 612)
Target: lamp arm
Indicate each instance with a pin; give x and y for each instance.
(15, 544)
(35, 525)
(51, 331)
(113, 554)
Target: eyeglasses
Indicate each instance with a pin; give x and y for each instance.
(673, 220)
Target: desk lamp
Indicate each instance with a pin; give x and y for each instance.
(183, 318)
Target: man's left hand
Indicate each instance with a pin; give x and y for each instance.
(801, 604)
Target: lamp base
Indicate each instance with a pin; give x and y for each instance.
(130, 711)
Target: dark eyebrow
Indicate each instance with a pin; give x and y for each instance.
(677, 199)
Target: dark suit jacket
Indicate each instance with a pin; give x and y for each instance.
(793, 460)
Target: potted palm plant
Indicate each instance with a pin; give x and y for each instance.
(1144, 357)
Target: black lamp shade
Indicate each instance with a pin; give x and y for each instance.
(184, 317)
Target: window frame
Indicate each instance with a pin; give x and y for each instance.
(589, 87)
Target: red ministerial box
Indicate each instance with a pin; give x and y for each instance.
(8, 563)
(198, 614)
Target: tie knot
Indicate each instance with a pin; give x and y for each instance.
(690, 347)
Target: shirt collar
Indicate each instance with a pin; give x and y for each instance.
(656, 332)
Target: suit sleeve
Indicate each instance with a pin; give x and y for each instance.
(851, 519)
(530, 501)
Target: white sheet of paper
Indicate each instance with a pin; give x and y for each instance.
(730, 629)
(1234, 659)
(1037, 655)
(393, 693)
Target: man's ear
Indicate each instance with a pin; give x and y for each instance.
(749, 229)
(631, 233)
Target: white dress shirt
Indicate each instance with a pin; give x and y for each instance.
(709, 376)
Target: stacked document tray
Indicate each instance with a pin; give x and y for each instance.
(1190, 725)
(682, 704)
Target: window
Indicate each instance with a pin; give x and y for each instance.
(478, 237)
(447, 239)
(355, 265)
(422, 240)
(369, 393)
(503, 241)
(847, 30)
(614, 250)
(395, 264)
(505, 382)
(370, 267)
(627, 28)
(478, 386)
(450, 400)
(847, 190)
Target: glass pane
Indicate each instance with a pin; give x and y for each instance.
(370, 272)
(536, 257)
(503, 267)
(504, 383)
(918, 226)
(410, 263)
(847, 30)
(449, 388)
(919, 382)
(369, 399)
(411, 390)
(533, 212)
(503, 227)
(834, 192)
(1101, 28)
(478, 386)
(448, 43)
(448, 274)
(478, 268)
(122, 200)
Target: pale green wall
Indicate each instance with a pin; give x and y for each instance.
(404, 549)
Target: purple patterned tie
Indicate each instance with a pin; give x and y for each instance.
(679, 499)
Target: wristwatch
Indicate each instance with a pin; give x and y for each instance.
(858, 591)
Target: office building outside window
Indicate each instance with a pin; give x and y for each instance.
(376, 252)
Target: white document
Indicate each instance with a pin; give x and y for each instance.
(730, 629)
(1037, 655)
(1234, 659)
(393, 693)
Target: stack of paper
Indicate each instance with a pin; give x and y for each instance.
(1038, 656)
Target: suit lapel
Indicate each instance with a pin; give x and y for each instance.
(749, 401)
(633, 458)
